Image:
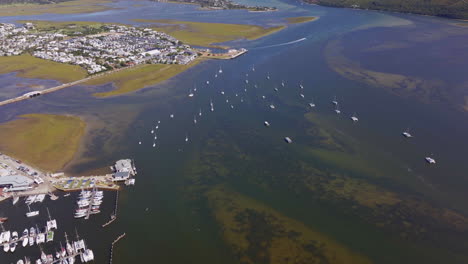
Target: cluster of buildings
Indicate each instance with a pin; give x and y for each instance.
(14, 176)
(117, 47)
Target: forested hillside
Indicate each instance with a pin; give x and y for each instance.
(443, 8)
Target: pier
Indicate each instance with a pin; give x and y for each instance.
(112, 246)
(114, 214)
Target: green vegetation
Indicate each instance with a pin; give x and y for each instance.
(43, 140)
(31, 67)
(68, 27)
(444, 8)
(298, 20)
(138, 77)
(206, 34)
(259, 234)
(69, 7)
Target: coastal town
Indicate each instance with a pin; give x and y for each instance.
(113, 47)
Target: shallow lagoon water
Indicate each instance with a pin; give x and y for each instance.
(178, 228)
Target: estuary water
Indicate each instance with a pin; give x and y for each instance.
(362, 185)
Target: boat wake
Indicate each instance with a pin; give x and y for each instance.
(282, 44)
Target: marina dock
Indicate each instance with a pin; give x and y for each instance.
(114, 214)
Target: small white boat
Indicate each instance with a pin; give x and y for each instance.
(152, 131)
(31, 213)
(216, 75)
(207, 82)
(139, 142)
(200, 113)
(15, 199)
(354, 118)
(266, 123)
(268, 76)
(272, 106)
(301, 95)
(263, 97)
(312, 104)
(211, 106)
(282, 83)
(430, 160)
(300, 85)
(171, 115)
(220, 70)
(246, 81)
(13, 247)
(6, 247)
(337, 109)
(186, 138)
(288, 140)
(195, 120)
(236, 95)
(253, 68)
(232, 107)
(222, 92)
(334, 101)
(407, 134)
(20, 261)
(154, 145)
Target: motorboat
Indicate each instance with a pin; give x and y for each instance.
(430, 160)
(288, 140)
(266, 123)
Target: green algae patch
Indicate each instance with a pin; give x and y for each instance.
(259, 234)
(207, 34)
(43, 140)
(299, 20)
(28, 66)
(139, 77)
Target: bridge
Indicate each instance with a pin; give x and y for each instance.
(56, 88)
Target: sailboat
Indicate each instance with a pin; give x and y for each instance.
(282, 83)
(154, 144)
(186, 138)
(301, 95)
(407, 134)
(31, 213)
(268, 76)
(337, 110)
(220, 70)
(334, 101)
(190, 93)
(253, 68)
(302, 86)
(194, 119)
(211, 106)
(15, 199)
(222, 92)
(200, 113)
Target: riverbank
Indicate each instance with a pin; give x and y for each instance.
(70, 7)
(139, 77)
(208, 34)
(44, 140)
(28, 66)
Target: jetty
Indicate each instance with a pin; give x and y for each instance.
(112, 246)
(231, 54)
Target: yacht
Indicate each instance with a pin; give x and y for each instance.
(171, 115)
(220, 70)
(266, 123)
(312, 104)
(272, 106)
(301, 95)
(200, 113)
(430, 160)
(20, 261)
(154, 145)
(3, 219)
(337, 109)
(25, 237)
(288, 140)
(186, 138)
(334, 101)
(222, 92)
(276, 89)
(282, 83)
(302, 86)
(190, 93)
(407, 134)
(139, 142)
(354, 118)
(31, 213)
(13, 247)
(207, 82)
(232, 107)
(6, 247)
(152, 131)
(194, 119)
(211, 106)
(32, 234)
(40, 198)
(263, 97)
(30, 199)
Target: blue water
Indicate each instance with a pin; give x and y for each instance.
(174, 230)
